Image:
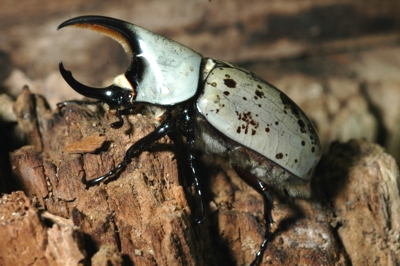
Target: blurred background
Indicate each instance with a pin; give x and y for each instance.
(339, 60)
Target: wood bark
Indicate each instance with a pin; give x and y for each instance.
(145, 215)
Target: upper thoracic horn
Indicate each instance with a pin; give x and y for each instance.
(117, 29)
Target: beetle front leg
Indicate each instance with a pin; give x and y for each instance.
(165, 128)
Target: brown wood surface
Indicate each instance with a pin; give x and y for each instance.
(145, 215)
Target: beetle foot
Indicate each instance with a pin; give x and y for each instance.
(260, 252)
(97, 180)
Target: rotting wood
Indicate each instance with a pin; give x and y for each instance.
(146, 215)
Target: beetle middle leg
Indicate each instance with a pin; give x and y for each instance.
(262, 188)
(187, 118)
(165, 128)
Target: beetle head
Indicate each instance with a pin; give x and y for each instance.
(161, 71)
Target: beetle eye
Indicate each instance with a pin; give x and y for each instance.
(127, 97)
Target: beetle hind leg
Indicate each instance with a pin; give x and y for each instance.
(262, 188)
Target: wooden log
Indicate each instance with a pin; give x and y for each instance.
(26, 240)
(145, 215)
(362, 184)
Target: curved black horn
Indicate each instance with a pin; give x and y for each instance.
(119, 30)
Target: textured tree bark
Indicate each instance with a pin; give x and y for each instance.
(363, 188)
(145, 215)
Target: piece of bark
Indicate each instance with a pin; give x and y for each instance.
(25, 110)
(107, 256)
(25, 240)
(147, 216)
(89, 144)
(362, 183)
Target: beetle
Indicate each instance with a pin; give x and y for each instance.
(218, 107)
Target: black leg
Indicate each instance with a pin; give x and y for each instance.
(119, 115)
(268, 206)
(188, 120)
(120, 121)
(166, 127)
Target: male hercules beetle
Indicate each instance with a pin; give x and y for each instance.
(219, 108)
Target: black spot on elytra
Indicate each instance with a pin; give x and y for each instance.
(226, 93)
(248, 122)
(260, 94)
(289, 104)
(301, 123)
(303, 143)
(267, 129)
(279, 155)
(230, 83)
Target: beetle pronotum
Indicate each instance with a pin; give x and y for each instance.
(219, 107)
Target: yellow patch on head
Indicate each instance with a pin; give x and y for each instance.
(122, 82)
(108, 32)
